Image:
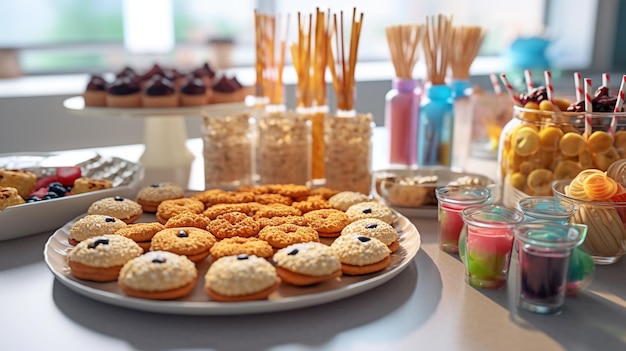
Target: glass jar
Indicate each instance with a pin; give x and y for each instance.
(462, 126)
(434, 131)
(348, 139)
(489, 114)
(402, 105)
(317, 116)
(283, 147)
(228, 149)
(539, 147)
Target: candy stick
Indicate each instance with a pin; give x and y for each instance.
(510, 89)
(588, 107)
(529, 80)
(578, 83)
(495, 83)
(549, 87)
(618, 106)
(606, 79)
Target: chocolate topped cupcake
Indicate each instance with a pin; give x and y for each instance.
(96, 91)
(193, 92)
(226, 90)
(160, 92)
(124, 92)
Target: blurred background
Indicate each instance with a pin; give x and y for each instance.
(48, 49)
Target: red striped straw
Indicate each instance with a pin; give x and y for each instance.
(495, 83)
(606, 79)
(618, 106)
(578, 83)
(529, 80)
(549, 87)
(510, 89)
(588, 107)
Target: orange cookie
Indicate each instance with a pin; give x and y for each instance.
(150, 197)
(87, 185)
(311, 203)
(22, 180)
(126, 210)
(141, 233)
(328, 222)
(188, 219)
(307, 264)
(287, 234)
(293, 191)
(240, 278)
(219, 209)
(158, 275)
(9, 197)
(233, 224)
(93, 225)
(268, 199)
(360, 254)
(194, 243)
(325, 192)
(224, 197)
(276, 210)
(101, 258)
(297, 220)
(170, 208)
(239, 245)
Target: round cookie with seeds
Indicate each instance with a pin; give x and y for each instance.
(240, 278)
(360, 254)
(192, 242)
(116, 206)
(374, 228)
(101, 258)
(141, 233)
(277, 210)
(188, 219)
(283, 235)
(307, 263)
(297, 220)
(150, 197)
(328, 222)
(370, 209)
(93, 225)
(233, 224)
(158, 275)
(170, 208)
(311, 203)
(216, 210)
(345, 199)
(239, 245)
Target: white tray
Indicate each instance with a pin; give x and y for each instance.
(198, 303)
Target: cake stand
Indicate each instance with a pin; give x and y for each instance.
(166, 156)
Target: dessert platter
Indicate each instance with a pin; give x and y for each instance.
(17, 220)
(286, 297)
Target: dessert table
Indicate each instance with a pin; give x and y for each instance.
(427, 306)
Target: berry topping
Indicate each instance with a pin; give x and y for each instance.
(158, 86)
(193, 86)
(371, 226)
(96, 83)
(118, 198)
(124, 86)
(98, 242)
(158, 260)
(182, 234)
(109, 219)
(363, 239)
(293, 252)
(57, 188)
(242, 257)
(367, 210)
(225, 85)
(204, 71)
(67, 175)
(155, 185)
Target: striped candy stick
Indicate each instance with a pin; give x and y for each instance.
(618, 106)
(495, 83)
(578, 84)
(510, 89)
(529, 80)
(588, 107)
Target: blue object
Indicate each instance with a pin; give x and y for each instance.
(529, 53)
(434, 134)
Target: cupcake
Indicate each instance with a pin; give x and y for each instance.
(206, 73)
(95, 93)
(93, 225)
(240, 278)
(159, 92)
(158, 275)
(193, 92)
(124, 92)
(225, 91)
(360, 254)
(307, 263)
(101, 258)
(116, 206)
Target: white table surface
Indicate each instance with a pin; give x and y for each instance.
(426, 307)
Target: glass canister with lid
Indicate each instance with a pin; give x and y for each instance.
(538, 147)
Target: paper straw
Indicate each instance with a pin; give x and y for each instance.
(618, 106)
(510, 89)
(606, 80)
(578, 83)
(588, 107)
(495, 83)
(529, 80)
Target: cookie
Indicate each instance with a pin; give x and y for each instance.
(374, 228)
(150, 197)
(158, 275)
(345, 199)
(9, 197)
(86, 185)
(224, 197)
(188, 219)
(360, 254)
(101, 258)
(240, 278)
(370, 209)
(239, 245)
(293, 191)
(283, 235)
(93, 225)
(207, 196)
(141, 233)
(219, 209)
(194, 243)
(305, 264)
(325, 192)
(22, 180)
(268, 199)
(297, 220)
(119, 207)
(255, 189)
(311, 203)
(170, 208)
(233, 224)
(328, 222)
(276, 210)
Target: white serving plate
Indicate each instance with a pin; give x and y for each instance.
(48, 215)
(198, 303)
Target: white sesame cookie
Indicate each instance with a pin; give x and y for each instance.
(104, 251)
(345, 199)
(158, 271)
(359, 250)
(117, 206)
(151, 196)
(370, 209)
(373, 228)
(94, 225)
(310, 258)
(240, 275)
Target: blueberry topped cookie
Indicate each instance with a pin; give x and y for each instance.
(93, 225)
(117, 206)
(151, 196)
(307, 263)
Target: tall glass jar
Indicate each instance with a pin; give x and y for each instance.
(317, 116)
(228, 151)
(435, 127)
(283, 147)
(402, 105)
(538, 147)
(349, 151)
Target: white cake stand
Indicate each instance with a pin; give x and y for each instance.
(166, 156)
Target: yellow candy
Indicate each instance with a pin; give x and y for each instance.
(540, 181)
(572, 144)
(526, 141)
(599, 141)
(604, 160)
(550, 137)
(567, 169)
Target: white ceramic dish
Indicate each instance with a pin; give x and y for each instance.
(48, 215)
(198, 303)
